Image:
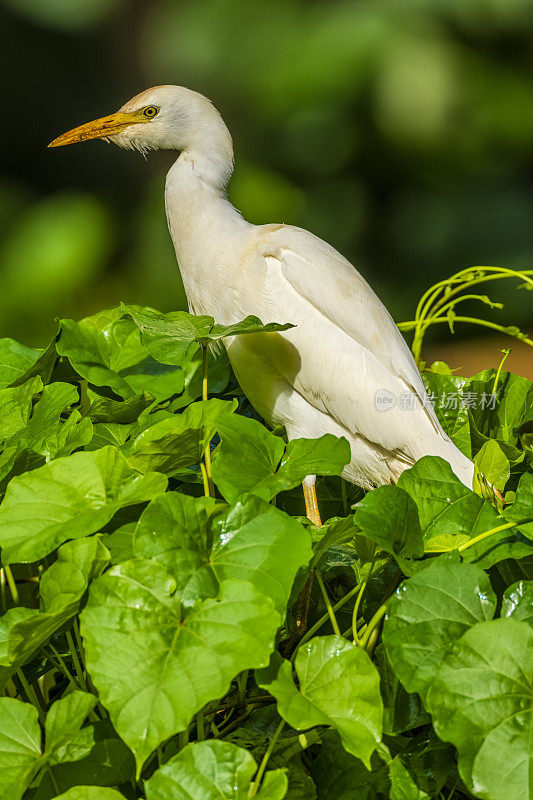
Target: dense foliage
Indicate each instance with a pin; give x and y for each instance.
(173, 626)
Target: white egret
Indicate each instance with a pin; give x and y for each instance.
(344, 368)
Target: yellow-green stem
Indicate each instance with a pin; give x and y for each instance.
(12, 585)
(492, 531)
(506, 354)
(263, 765)
(327, 601)
(378, 616)
(76, 661)
(207, 451)
(30, 694)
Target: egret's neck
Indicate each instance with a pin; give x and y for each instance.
(205, 228)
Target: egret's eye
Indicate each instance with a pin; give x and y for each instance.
(150, 111)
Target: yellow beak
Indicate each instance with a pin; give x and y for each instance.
(99, 128)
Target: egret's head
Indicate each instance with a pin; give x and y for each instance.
(161, 118)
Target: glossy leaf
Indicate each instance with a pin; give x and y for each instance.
(517, 601)
(179, 440)
(15, 406)
(46, 434)
(522, 508)
(67, 499)
(212, 771)
(107, 351)
(22, 630)
(20, 747)
(482, 702)
(493, 464)
(202, 545)
(338, 686)
(154, 662)
(90, 793)
(389, 517)
(428, 613)
(403, 786)
(250, 459)
(450, 514)
(15, 359)
(65, 718)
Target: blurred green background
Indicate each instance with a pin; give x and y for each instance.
(401, 131)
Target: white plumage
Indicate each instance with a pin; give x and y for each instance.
(327, 374)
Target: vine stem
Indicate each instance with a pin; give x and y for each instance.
(492, 531)
(3, 593)
(314, 628)
(30, 694)
(61, 666)
(358, 603)
(327, 601)
(263, 765)
(207, 451)
(205, 479)
(374, 622)
(53, 781)
(506, 354)
(76, 661)
(12, 584)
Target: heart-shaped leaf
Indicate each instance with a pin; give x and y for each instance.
(338, 686)
(429, 612)
(69, 498)
(213, 771)
(482, 701)
(154, 662)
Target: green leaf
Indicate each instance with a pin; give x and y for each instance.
(450, 514)
(20, 747)
(107, 351)
(155, 662)
(482, 702)
(250, 324)
(403, 786)
(46, 434)
(65, 718)
(446, 393)
(250, 459)
(69, 498)
(248, 454)
(522, 508)
(90, 793)
(104, 409)
(389, 517)
(340, 776)
(513, 406)
(402, 711)
(174, 338)
(16, 405)
(428, 613)
(338, 686)
(202, 546)
(212, 771)
(179, 440)
(22, 630)
(15, 359)
(170, 338)
(493, 464)
(517, 601)
(91, 756)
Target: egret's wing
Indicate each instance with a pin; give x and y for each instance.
(347, 347)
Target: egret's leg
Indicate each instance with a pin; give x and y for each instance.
(311, 503)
